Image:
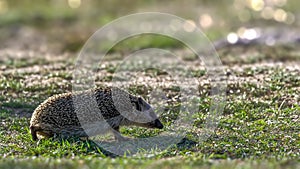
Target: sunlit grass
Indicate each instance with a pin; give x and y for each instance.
(259, 124)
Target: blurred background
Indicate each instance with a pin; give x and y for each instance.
(60, 26)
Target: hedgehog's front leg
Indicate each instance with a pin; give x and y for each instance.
(118, 135)
(38, 132)
(33, 133)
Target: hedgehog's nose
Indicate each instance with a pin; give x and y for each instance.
(158, 124)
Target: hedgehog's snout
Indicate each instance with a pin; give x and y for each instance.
(158, 124)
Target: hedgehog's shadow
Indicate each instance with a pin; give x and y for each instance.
(89, 145)
(133, 146)
(144, 145)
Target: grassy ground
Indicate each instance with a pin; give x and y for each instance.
(259, 126)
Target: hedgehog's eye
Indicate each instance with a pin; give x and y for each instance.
(138, 106)
(140, 100)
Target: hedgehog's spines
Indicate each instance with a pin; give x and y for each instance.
(57, 114)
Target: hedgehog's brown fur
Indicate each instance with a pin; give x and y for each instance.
(57, 115)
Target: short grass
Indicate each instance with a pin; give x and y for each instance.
(259, 127)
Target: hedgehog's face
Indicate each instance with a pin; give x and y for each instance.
(146, 116)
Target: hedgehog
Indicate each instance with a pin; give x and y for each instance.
(90, 113)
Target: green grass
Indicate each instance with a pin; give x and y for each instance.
(258, 129)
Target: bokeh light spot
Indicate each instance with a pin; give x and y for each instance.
(280, 15)
(74, 3)
(232, 38)
(3, 6)
(189, 26)
(257, 5)
(290, 18)
(267, 13)
(205, 20)
(251, 34)
(175, 25)
(248, 34)
(241, 32)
